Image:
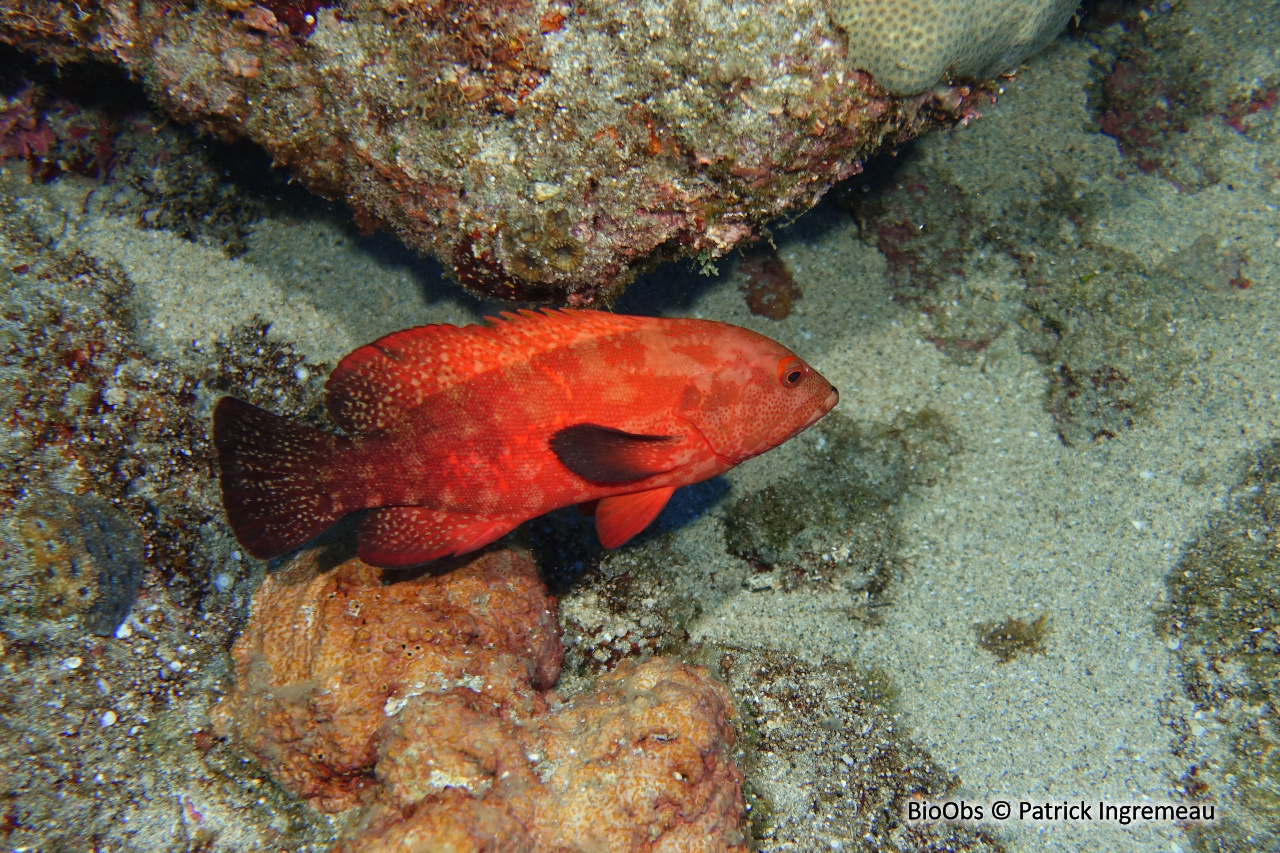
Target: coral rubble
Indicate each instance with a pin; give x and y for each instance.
(547, 150)
(118, 595)
(829, 765)
(427, 700)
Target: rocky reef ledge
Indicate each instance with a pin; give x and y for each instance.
(548, 150)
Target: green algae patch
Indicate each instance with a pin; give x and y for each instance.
(1012, 637)
(1111, 330)
(835, 520)
(1108, 327)
(1223, 617)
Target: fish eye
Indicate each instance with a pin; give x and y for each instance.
(791, 371)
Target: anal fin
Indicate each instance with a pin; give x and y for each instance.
(399, 536)
(620, 517)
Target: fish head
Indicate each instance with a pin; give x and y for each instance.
(757, 395)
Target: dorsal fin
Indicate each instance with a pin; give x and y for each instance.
(373, 388)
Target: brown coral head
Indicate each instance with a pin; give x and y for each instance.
(641, 763)
(328, 658)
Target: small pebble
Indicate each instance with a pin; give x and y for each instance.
(72, 663)
(109, 718)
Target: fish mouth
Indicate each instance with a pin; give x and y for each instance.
(827, 405)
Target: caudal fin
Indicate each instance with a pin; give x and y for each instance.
(282, 483)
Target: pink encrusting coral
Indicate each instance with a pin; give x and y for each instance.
(542, 150)
(427, 701)
(23, 134)
(55, 136)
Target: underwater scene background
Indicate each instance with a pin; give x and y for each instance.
(1033, 557)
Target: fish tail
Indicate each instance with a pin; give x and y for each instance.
(282, 483)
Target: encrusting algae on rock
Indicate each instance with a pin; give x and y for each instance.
(546, 150)
(427, 702)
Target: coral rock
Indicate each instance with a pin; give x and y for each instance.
(640, 764)
(426, 699)
(326, 658)
(546, 150)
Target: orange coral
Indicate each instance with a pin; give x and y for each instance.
(426, 699)
(326, 658)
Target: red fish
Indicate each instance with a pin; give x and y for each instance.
(454, 436)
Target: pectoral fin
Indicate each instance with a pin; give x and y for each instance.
(602, 454)
(620, 517)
